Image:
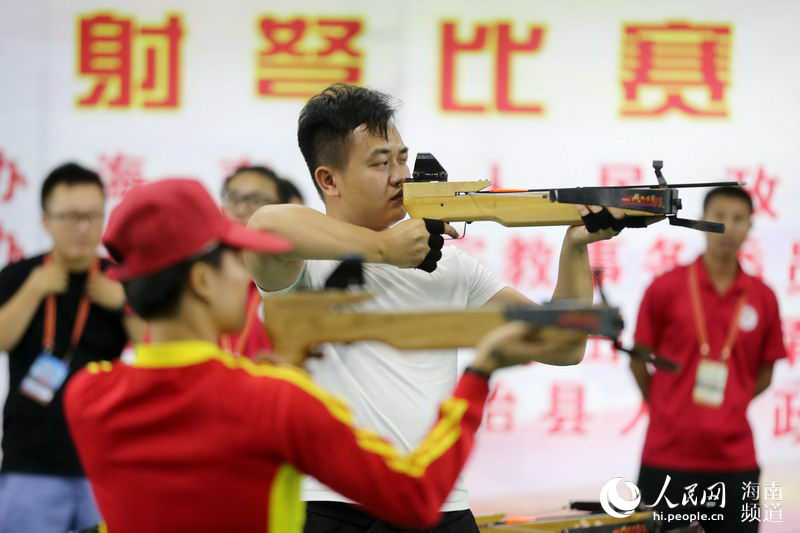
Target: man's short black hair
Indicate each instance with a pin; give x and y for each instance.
(729, 192)
(69, 174)
(288, 190)
(266, 172)
(158, 295)
(327, 120)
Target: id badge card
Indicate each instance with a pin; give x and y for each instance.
(44, 378)
(710, 383)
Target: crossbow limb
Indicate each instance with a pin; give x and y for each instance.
(298, 322)
(428, 194)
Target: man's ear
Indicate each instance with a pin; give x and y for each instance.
(199, 282)
(328, 181)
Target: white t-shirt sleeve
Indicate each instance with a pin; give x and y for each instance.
(302, 282)
(482, 284)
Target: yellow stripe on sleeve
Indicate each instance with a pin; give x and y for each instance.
(287, 512)
(441, 438)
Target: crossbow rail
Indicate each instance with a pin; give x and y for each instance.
(428, 194)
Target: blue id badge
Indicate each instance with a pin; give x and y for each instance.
(44, 378)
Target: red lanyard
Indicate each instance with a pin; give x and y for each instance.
(225, 340)
(49, 330)
(700, 320)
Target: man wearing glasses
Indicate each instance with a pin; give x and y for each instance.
(249, 188)
(58, 312)
(243, 192)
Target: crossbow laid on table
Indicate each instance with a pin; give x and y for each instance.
(428, 194)
(298, 322)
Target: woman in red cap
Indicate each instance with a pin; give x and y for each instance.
(185, 437)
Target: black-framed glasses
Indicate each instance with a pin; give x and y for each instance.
(252, 200)
(73, 218)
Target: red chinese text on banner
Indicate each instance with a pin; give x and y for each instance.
(675, 66)
(786, 413)
(304, 55)
(761, 187)
(497, 41)
(751, 257)
(791, 333)
(494, 176)
(640, 416)
(11, 179)
(120, 173)
(475, 247)
(130, 65)
(794, 268)
(601, 350)
(528, 262)
(501, 409)
(10, 249)
(662, 256)
(618, 174)
(604, 255)
(567, 412)
(231, 165)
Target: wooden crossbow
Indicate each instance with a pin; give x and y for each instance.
(298, 322)
(428, 194)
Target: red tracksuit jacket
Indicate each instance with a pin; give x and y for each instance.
(189, 438)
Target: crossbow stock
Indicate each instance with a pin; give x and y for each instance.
(298, 322)
(428, 194)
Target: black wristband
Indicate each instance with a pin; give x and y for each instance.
(619, 224)
(601, 220)
(482, 373)
(434, 226)
(435, 244)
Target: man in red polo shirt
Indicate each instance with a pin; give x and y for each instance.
(185, 437)
(722, 327)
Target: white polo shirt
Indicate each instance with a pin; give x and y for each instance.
(397, 393)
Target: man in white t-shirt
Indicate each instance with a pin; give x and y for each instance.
(358, 162)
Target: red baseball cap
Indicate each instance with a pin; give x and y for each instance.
(162, 223)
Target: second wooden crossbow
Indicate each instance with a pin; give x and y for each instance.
(428, 194)
(298, 322)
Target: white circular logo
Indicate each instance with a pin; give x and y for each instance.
(748, 319)
(614, 504)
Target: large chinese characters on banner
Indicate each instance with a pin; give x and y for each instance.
(131, 65)
(526, 95)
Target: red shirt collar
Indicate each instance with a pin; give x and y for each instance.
(739, 284)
